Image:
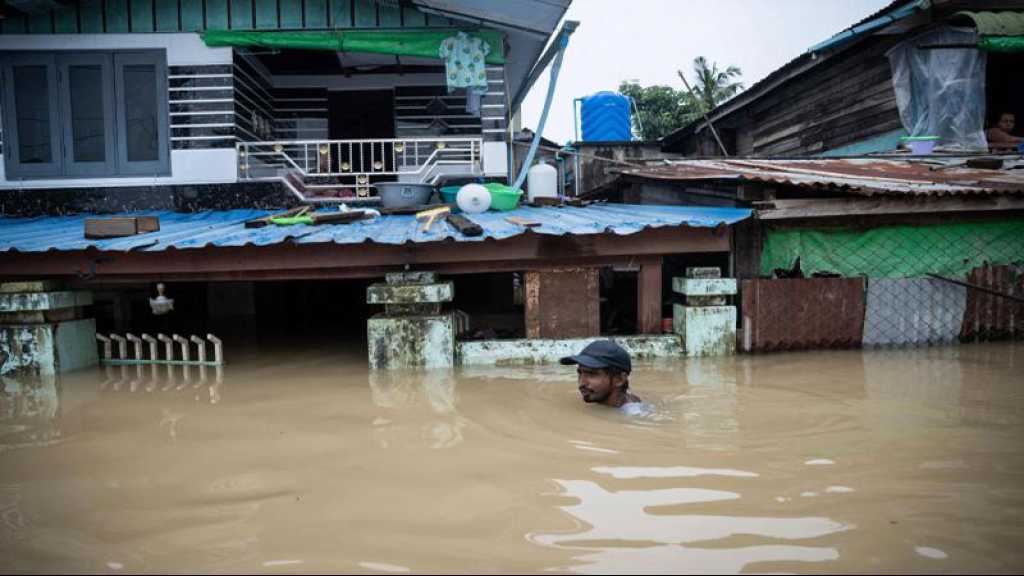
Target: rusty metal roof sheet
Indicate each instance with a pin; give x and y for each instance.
(859, 176)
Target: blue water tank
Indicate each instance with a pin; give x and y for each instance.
(605, 117)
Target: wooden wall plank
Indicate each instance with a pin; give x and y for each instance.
(90, 17)
(241, 14)
(413, 18)
(191, 15)
(291, 14)
(390, 16)
(216, 14)
(365, 13)
(266, 14)
(167, 15)
(116, 16)
(316, 14)
(65, 19)
(40, 23)
(15, 25)
(341, 13)
(142, 16)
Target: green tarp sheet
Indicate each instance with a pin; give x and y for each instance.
(1001, 43)
(900, 251)
(423, 43)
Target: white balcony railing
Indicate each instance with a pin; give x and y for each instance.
(358, 164)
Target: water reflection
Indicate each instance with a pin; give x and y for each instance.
(401, 392)
(35, 412)
(708, 406)
(28, 412)
(621, 526)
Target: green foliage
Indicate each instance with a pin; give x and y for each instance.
(712, 86)
(660, 109)
(663, 109)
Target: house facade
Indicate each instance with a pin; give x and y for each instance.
(317, 98)
(943, 68)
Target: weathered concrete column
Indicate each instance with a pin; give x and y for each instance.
(412, 331)
(562, 303)
(42, 330)
(707, 325)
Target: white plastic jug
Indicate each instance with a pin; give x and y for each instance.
(542, 181)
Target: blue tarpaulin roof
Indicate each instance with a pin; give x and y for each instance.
(226, 228)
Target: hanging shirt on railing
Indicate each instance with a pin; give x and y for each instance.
(463, 57)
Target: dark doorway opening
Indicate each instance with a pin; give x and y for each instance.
(361, 115)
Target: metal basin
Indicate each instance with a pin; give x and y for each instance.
(403, 194)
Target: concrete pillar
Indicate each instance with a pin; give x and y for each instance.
(42, 330)
(707, 325)
(413, 331)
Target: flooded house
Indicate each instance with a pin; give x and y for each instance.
(882, 214)
(917, 68)
(158, 142)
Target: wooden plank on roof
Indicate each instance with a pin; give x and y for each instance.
(316, 14)
(241, 15)
(116, 16)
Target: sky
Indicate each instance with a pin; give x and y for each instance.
(648, 40)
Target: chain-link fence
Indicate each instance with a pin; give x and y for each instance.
(885, 285)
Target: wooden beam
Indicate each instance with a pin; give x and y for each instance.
(286, 260)
(830, 207)
(648, 296)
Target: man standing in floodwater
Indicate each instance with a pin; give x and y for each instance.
(602, 371)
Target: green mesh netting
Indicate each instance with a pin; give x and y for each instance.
(896, 251)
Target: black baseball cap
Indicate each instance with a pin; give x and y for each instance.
(601, 354)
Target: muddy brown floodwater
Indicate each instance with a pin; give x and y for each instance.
(303, 461)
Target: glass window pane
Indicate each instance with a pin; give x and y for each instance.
(87, 122)
(140, 110)
(32, 111)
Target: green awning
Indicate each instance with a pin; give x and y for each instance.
(425, 43)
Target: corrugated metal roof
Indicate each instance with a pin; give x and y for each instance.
(226, 228)
(996, 23)
(860, 176)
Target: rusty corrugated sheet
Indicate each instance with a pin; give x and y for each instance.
(562, 303)
(802, 313)
(991, 317)
(859, 176)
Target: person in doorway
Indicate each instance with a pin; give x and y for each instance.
(1000, 136)
(602, 370)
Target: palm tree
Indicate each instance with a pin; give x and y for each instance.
(712, 86)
